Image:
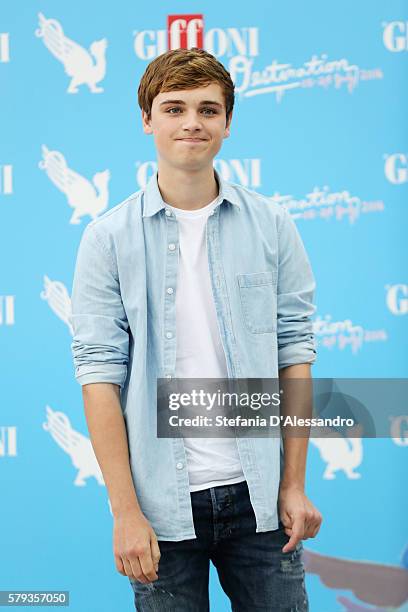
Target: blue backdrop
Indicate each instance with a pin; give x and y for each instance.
(320, 124)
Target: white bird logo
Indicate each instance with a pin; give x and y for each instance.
(76, 445)
(339, 453)
(84, 197)
(58, 300)
(77, 61)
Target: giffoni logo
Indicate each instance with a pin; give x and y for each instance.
(84, 196)
(395, 36)
(245, 172)
(77, 446)
(185, 31)
(8, 441)
(6, 179)
(397, 298)
(396, 168)
(7, 310)
(4, 47)
(83, 66)
(56, 295)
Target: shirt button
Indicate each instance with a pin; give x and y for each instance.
(168, 375)
(169, 335)
(170, 290)
(168, 212)
(212, 212)
(179, 465)
(172, 246)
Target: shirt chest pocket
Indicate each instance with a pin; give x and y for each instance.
(257, 293)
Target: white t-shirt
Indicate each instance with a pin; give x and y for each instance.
(210, 461)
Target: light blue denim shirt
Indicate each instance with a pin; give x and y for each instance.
(124, 321)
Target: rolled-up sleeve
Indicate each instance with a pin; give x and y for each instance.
(100, 346)
(295, 291)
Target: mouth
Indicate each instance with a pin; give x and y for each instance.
(192, 140)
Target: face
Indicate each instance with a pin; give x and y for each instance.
(188, 126)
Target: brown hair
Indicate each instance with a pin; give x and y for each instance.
(184, 69)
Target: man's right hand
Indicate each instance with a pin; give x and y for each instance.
(135, 547)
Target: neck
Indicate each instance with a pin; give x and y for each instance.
(186, 189)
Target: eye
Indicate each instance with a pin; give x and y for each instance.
(212, 111)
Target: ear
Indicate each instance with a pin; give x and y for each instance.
(227, 127)
(147, 128)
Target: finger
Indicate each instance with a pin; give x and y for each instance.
(286, 521)
(296, 536)
(310, 525)
(287, 526)
(291, 544)
(310, 517)
(155, 552)
(136, 569)
(128, 568)
(315, 524)
(119, 565)
(146, 563)
(316, 529)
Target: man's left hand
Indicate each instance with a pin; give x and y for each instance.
(299, 516)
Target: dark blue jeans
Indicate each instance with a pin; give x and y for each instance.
(252, 569)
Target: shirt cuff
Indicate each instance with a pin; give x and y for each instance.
(298, 352)
(101, 372)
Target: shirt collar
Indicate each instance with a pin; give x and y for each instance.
(153, 201)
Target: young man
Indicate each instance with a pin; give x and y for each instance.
(195, 277)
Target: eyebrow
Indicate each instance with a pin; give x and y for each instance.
(212, 102)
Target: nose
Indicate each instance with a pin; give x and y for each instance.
(191, 121)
